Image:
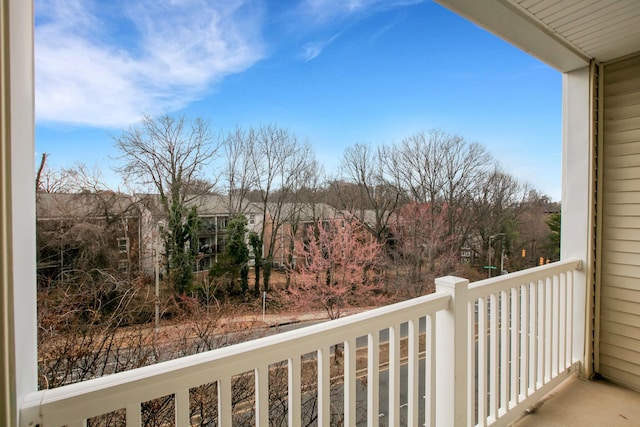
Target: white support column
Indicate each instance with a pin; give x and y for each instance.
(577, 201)
(452, 355)
(18, 302)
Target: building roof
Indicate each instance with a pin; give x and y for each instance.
(564, 34)
(215, 204)
(206, 204)
(84, 205)
(305, 212)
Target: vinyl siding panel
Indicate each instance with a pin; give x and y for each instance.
(613, 316)
(619, 329)
(617, 233)
(622, 148)
(623, 282)
(621, 258)
(616, 197)
(620, 222)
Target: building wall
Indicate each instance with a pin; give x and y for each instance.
(618, 338)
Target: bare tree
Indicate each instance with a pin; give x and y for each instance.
(239, 174)
(377, 197)
(167, 154)
(416, 165)
(464, 165)
(43, 161)
(170, 155)
(531, 238)
(422, 248)
(304, 208)
(50, 180)
(441, 170)
(283, 165)
(494, 208)
(84, 227)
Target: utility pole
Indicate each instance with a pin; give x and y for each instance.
(491, 253)
(157, 265)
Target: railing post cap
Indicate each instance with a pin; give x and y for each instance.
(450, 282)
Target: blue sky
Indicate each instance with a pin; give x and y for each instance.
(334, 72)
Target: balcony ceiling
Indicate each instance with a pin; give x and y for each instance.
(565, 34)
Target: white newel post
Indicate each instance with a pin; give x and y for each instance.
(452, 355)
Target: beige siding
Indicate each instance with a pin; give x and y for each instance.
(619, 335)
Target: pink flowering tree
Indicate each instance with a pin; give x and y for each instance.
(337, 266)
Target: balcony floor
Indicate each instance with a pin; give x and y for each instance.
(577, 402)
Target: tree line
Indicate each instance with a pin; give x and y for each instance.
(424, 202)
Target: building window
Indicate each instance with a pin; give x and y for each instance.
(123, 245)
(208, 225)
(206, 245)
(204, 263)
(251, 219)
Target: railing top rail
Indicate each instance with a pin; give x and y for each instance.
(483, 288)
(117, 390)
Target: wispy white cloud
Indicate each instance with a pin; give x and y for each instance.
(319, 15)
(108, 63)
(322, 11)
(312, 50)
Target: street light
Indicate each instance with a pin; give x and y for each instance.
(491, 253)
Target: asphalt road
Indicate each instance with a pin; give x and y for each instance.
(361, 390)
(360, 341)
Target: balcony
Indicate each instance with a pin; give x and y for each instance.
(468, 354)
(578, 403)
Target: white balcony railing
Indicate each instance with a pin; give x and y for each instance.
(469, 354)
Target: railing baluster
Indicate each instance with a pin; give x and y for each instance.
(514, 345)
(482, 362)
(562, 361)
(224, 402)
(294, 392)
(493, 355)
(412, 371)
(569, 351)
(569, 319)
(472, 377)
(504, 351)
(394, 375)
(570, 291)
(324, 387)
(373, 374)
(555, 301)
(523, 303)
(533, 337)
(133, 416)
(350, 414)
(182, 408)
(430, 372)
(542, 316)
(547, 336)
(262, 395)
